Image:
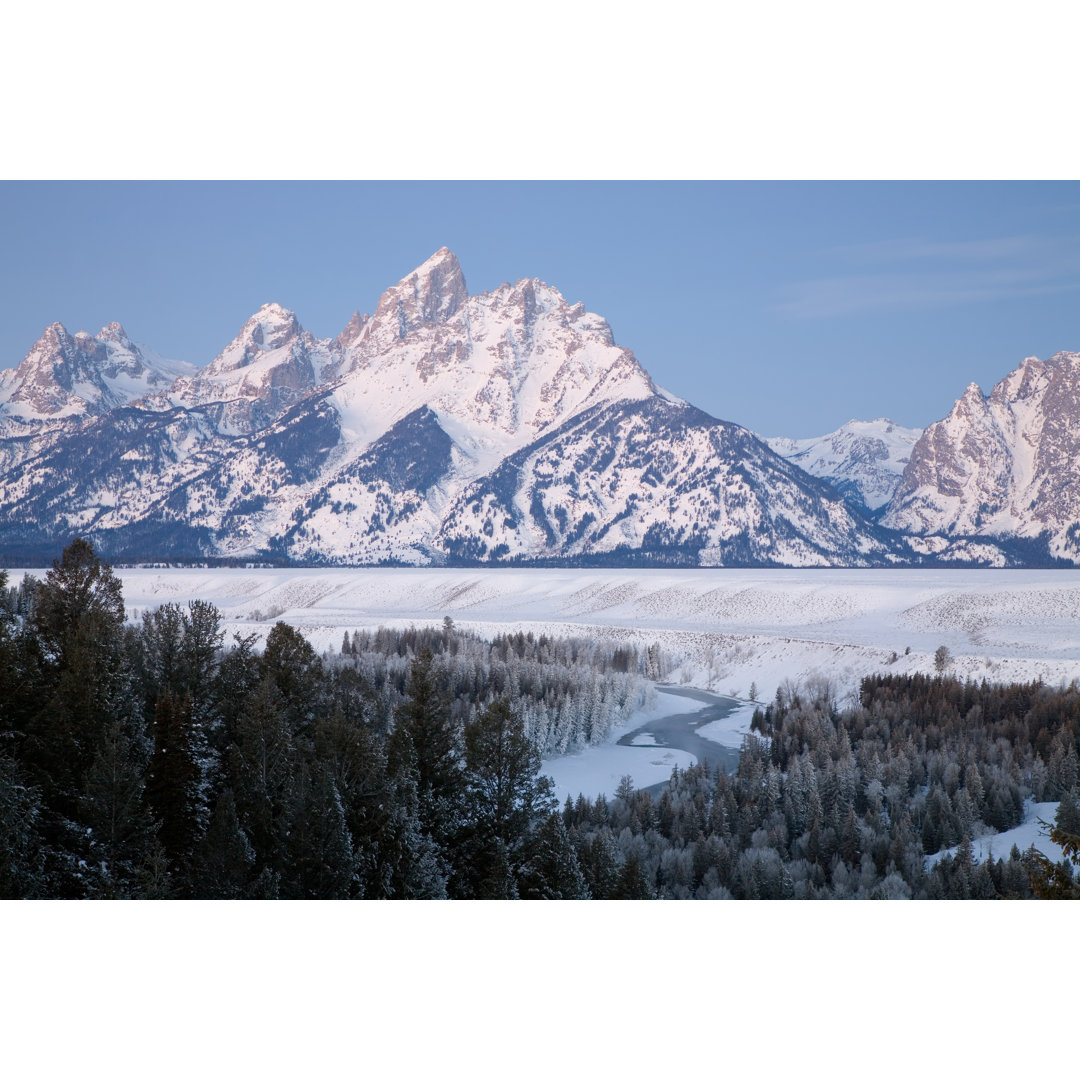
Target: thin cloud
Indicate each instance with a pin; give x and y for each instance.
(992, 250)
(855, 295)
(953, 273)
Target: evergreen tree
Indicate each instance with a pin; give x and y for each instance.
(297, 672)
(261, 766)
(319, 862)
(596, 857)
(631, 883)
(552, 871)
(78, 623)
(173, 787)
(223, 862)
(124, 856)
(428, 741)
(22, 863)
(507, 797)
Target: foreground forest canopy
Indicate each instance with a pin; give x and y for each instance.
(157, 761)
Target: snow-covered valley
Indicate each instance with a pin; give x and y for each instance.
(722, 630)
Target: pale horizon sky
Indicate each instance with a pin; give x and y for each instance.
(787, 307)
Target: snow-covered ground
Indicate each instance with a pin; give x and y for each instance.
(723, 630)
(1028, 832)
(598, 769)
(732, 729)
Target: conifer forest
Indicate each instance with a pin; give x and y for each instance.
(157, 760)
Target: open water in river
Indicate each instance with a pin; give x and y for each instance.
(679, 730)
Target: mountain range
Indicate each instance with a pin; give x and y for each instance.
(507, 426)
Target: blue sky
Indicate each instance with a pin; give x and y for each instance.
(785, 306)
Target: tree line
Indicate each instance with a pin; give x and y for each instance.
(154, 760)
(847, 804)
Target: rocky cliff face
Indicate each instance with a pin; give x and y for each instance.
(1003, 465)
(78, 375)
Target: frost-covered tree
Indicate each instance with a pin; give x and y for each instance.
(552, 871)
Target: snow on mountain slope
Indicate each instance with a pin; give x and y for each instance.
(496, 369)
(443, 427)
(446, 383)
(863, 459)
(269, 366)
(76, 375)
(282, 427)
(654, 475)
(1003, 465)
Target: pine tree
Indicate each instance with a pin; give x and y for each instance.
(393, 856)
(507, 797)
(173, 788)
(123, 852)
(223, 861)
(596, 857)
(319, 862)
(261, 768)
(78, 622)
(631, 884)
(552, 871)
(297, 672)
(1050, 881)
(22, 864)
(428, 741)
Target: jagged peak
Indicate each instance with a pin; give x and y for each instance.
(432, 293)
(55, 331)
(55, 344)
(443, 257)
(273, 308)
(113, 331)
(353, 329)
(271, 326)
(273, 313)
(1061, 358)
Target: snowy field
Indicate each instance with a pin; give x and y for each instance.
(1029, 831)
(722, 630)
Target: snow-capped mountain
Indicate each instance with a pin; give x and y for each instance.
(268, 367)
(497, 369)
(444, 427)
(863, 460)
(76, 375)
(656, 475)
(1003, 465)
